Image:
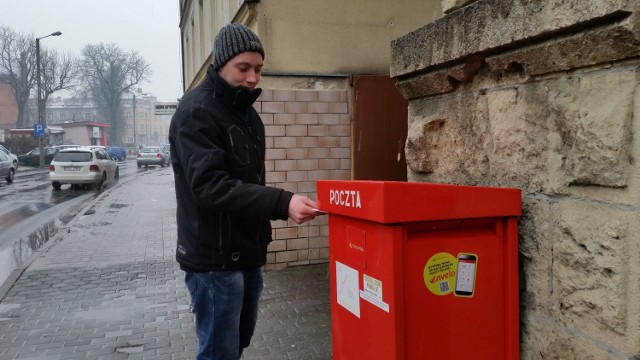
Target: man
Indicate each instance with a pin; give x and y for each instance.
(224, 208)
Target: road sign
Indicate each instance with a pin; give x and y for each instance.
(38, 130)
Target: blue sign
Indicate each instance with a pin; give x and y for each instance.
(39, 130)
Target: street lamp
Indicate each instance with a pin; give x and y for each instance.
(41, 119)
(135, 147)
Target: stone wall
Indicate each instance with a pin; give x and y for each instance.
(543, 96)
(308, 137)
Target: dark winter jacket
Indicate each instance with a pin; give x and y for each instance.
(218, 152)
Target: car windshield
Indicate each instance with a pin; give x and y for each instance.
(150, 150)
(74, 156)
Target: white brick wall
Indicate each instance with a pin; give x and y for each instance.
(308, 137)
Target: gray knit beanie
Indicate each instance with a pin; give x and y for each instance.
(232, 40)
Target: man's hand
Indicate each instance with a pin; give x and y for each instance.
(302, 209)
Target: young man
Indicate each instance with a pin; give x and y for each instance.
(224, 208)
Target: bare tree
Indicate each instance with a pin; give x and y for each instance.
(58, 73)
(18, 67)
(107, 73)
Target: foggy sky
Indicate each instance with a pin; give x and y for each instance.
(149, 27)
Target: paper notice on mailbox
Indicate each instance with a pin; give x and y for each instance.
(347, 288)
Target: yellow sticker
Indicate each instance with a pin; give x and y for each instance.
(440, 273)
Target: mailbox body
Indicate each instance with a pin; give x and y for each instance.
(422, 271)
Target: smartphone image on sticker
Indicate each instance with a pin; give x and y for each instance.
(466, 275)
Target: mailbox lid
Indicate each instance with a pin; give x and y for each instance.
(396, 202)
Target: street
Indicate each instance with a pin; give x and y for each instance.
(32, 212)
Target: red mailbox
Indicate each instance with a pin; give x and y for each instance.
(422, 271)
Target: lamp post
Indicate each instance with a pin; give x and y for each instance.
(135, 147)
(41, 119)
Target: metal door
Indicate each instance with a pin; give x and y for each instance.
(379, 129)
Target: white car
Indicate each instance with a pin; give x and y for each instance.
(12, 157)
(7, 169)
(83, 166)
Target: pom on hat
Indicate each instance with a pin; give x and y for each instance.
(232, 40)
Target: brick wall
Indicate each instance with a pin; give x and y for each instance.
(308, 137)
(8, 108)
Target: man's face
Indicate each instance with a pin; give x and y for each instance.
(243, 69)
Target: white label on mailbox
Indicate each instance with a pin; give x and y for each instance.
(373, 292)
(347, 288)
(372, 286)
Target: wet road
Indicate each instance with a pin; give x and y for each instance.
(31, 194)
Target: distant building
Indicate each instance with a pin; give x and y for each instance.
(8, 107)
(148, 124)
(151, 122)
(85, 133)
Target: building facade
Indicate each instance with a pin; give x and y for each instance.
(145, 126)
(8, 107)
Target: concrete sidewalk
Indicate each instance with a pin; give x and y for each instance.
(109, 288)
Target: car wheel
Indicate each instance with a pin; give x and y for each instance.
(139, 166)
(9, 177)
(101, 183)
(162, 164)
(117, 176)
(56, 185)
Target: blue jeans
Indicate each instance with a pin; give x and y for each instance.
(225, 304)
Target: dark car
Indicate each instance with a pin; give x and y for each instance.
(117, 152)
(32, 158)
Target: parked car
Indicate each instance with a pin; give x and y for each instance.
(117, 152)
(167, 149)
(7, 169)
(32, 158)
(12, 157)
(83, 165)
(152, 155)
